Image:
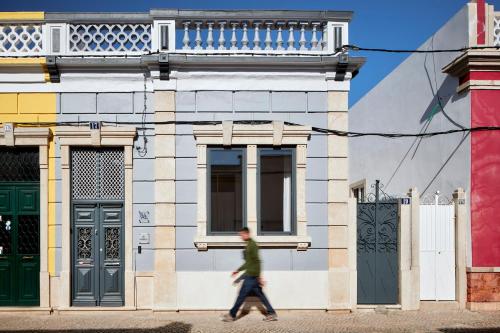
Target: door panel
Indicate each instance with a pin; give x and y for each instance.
(437, 252)
(97, 244)
(111, 260)
(27, 200)
(6, 280)
(377, 253)
(85, 253)
(29, 272)
(19, 245)
(6, 198)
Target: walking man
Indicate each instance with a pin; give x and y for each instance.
(252, 283)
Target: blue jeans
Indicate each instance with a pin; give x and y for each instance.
(250, 287)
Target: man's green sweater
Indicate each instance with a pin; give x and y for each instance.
(252, 261)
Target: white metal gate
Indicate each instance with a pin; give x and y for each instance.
(437, 250)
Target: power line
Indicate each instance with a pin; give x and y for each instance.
(349, 47)
(350, 134)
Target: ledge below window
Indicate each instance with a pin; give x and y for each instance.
(301, 243)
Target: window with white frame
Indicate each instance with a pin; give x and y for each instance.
(254, 176)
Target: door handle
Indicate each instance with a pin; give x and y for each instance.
(27, 257)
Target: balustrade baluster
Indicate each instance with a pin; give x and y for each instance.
(302, 41)
(210, 36)
(185, 40)
(198, 37)
(314, 37)
(291, 37)
(234, 41)
(222, 40)
(244, 38)
(279, 37)
(256, 37)
(268, 42)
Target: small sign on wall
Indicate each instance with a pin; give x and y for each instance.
(144, 216)
(94, 125)
(405, 201)
(144, 238)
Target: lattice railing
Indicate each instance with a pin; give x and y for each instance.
(23, 39)
(496, 30)
(110, 38)
(182, 34)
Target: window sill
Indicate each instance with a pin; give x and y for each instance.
(301, 243)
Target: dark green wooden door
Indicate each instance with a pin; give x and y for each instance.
(19, 244)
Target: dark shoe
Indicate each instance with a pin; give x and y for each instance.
(271, 317)
(227, 318)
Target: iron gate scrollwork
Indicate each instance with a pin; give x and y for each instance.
(377, 249)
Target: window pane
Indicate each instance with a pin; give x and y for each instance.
(276, 191)
(226, 190)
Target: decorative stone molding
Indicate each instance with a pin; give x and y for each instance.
(243, 134)
(36, 136)
(11, 135)
(109, 136)
(82, 136)
(252, 136)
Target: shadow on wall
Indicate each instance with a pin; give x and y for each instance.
(470, 330)
(175, 327)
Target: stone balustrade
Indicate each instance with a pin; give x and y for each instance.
(176, 31)
(256, 36)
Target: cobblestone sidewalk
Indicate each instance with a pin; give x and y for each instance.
(201, 322)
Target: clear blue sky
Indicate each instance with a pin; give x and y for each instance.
(382, 23)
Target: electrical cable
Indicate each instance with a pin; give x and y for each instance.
(321, 130)
(351, 47)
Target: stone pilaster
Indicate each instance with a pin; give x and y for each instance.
(341, 250)
(460, 247)
(165, 281)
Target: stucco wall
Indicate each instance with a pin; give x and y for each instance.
(308, 108)
(416, 97)
(121, 107)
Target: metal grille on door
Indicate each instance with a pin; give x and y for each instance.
(98, 174)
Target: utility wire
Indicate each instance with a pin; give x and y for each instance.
(350, 47)
(350, 134)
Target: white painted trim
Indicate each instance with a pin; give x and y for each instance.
(251, 80)
(155, 34)
(284, 289)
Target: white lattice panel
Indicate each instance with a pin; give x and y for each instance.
(21, 38)
(110, 38)
(496, 31)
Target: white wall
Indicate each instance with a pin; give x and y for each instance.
(402, 102)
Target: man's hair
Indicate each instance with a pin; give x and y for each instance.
(245, 229)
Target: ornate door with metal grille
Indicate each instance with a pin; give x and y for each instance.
(19, 226)
(377, 250)
(98, 191)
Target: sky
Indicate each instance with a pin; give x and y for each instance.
(392, 24)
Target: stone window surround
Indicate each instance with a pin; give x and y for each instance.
(105, 136)
(252, 136)
(30, 136)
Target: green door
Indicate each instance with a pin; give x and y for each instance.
(19, 244)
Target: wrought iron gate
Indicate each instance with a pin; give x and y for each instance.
(98, 190)
(19, 226)
(377, 250)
